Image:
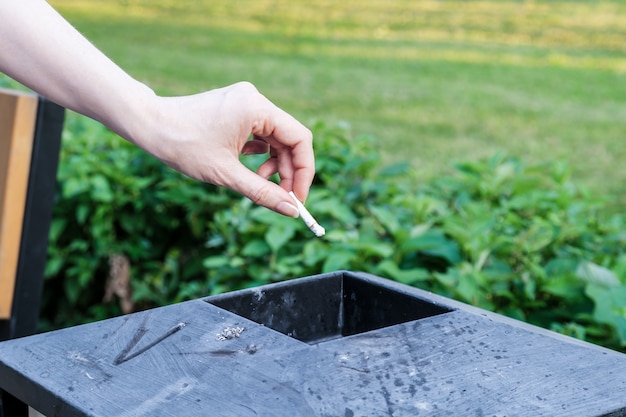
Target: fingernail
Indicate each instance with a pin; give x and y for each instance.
(287, 209)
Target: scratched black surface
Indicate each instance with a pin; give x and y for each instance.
(466, 362)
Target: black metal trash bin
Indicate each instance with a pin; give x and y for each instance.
(339, 344)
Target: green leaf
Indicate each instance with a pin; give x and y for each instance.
(406, 276)
(386, 217)
(434, 243)
(100, 189)
(53, 266)
(595, 274)
(57, 226)
(279, 234)
(74, 186)
(335, 208)
(255, 248)
(236, 262)
(315, 251)
(539, 235)
(72, 291)
(564, 286)
(468, 287)
(610, 306)
(375, 247)
(214, 262)
(338, 260)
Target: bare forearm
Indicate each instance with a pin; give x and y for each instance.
(200, 135)
(44, 52)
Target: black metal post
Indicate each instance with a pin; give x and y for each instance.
(35, 230)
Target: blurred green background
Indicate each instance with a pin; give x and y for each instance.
(462, 147)
(434, 81)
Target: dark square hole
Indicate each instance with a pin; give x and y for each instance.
(325, 307)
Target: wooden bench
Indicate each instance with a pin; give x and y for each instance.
(30, 139)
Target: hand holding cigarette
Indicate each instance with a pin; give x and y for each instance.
(307, 218)
(200, 135)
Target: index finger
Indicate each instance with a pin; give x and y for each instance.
(303, 165)
(294, 141)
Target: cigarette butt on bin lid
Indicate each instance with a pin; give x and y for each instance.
(307, 218)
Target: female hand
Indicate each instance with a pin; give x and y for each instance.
(200, 135)
(203, 135)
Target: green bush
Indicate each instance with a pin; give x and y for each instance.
(522, 241)
(113, 198)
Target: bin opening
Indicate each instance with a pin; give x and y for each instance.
(324, 308)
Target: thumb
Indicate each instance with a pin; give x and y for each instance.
(261, 191)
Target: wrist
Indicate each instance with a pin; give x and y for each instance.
(135, 116)
(154, 127)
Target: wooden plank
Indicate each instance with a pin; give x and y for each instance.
(36, 224)
(18, 112)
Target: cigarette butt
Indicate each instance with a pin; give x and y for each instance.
(307, 218)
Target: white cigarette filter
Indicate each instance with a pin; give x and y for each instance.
(307, 218)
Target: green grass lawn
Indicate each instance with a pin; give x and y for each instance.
(434, 81)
